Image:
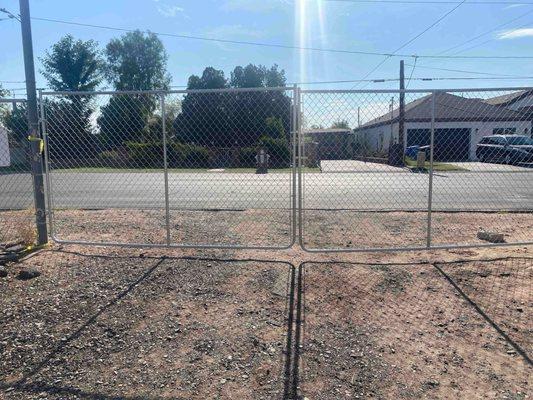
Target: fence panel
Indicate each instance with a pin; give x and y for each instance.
(392, 181)
(17, 219)
(483, 167)
(172, 168)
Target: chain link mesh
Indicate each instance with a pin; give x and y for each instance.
(460, 175)
(189, 168)
(17, 224)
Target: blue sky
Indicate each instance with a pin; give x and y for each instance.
(333, 24)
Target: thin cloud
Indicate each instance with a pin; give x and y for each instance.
(515, 33)
(168, 11)
(254, 5)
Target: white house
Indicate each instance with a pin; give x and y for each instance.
(460, 123)
(5, 158)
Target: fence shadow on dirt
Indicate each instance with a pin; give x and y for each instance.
(404, 330)
(156, 266)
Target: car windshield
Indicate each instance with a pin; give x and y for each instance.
(520, 141)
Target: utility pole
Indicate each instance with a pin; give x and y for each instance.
(33, 124)
(401, 115)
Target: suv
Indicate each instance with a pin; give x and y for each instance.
(508, 149)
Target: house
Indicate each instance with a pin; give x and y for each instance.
(332, 143)
(518, 101)
(460, 123)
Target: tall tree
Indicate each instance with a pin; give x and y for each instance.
(137, 61)
(73, 65)
(239, 118)
(341, 124)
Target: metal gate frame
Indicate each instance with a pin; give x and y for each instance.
(429, 244)
(293, 112)
(297, 174)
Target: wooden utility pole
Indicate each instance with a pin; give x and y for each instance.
(401, 115)
(33, 124)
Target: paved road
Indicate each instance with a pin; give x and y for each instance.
(368, 191)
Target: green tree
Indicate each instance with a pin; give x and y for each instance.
(239, 118)
(137, 61)
(73, 65)
(341, 124)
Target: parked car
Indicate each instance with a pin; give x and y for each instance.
(508, 149)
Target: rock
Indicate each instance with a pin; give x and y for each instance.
(3, 272)
(492, 237)
(27, 274)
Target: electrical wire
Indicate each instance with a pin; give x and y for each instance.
(291, 47)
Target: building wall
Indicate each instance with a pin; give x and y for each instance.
(378, 138)
(5, 157)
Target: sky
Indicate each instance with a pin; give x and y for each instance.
(346, 25)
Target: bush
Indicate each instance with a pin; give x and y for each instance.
(278, 150)
(145, 155)
(111, 158)
(196, 157)
(187, 156)
(245, 157)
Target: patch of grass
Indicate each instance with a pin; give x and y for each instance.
(437, 166)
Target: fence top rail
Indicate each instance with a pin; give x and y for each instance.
(12, 100)
(428, 91)
(164, 92)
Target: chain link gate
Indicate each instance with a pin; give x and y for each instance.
(179, 168)
(461, 175)
(171, 169)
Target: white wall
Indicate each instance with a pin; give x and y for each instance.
(5, 159)
(478, 129)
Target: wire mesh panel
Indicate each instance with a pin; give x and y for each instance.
(188, 168)
(356, 194)
(483, 179)
(17, 223)
(449, 168)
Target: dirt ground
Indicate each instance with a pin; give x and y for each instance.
(116, 323)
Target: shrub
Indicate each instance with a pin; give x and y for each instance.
(145, 155)
(110, 158)
(196, 157)
(245, 157)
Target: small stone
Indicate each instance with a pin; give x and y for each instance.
(27, 274)
(491, 237)
(3, 271)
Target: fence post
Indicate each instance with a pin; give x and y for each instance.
(299, 133)
(165, 165)
(294, 138)
(431, 153)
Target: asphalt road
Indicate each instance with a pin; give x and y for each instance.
(391, 190)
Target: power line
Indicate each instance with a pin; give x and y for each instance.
(463, 71)
(291, 47)
(413, 39)
(484, 34)
(509, 3)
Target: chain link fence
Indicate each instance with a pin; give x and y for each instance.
(451, 168)
(180, 168)
(220, 168)
(17, 221)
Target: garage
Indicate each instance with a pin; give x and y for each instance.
(450, 144)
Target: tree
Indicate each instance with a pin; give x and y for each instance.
(253, 76)
(16, 122)
(73, 65)
(341, 124)
(137, 61)
(211, 79)
(239, 118)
